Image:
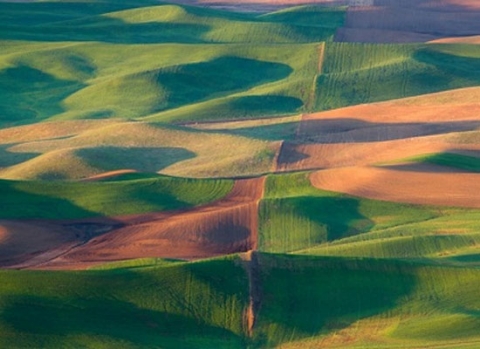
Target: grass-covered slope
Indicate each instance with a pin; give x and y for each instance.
(303, 301)
(79, 149)
(179, 305)
(295, 217)
(63, 200)
(112, 59)
(456, 161)
(365, 73)
(151, 22)
(312, 302)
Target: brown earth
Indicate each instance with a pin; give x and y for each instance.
(416, 184)
(24, 240)
(108, 175)
(346, 143)
(410, 21)
(380, 132)
(475, 39)
(226, 226)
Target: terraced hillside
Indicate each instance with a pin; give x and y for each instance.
(254, 174)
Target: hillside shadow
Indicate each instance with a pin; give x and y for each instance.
(340, 215)
(289, 154)
(114, 321)
(20, 203)
(8, 158)
(109, 158)
(328, 131)
(448, 161)
(32, 14)
(351, 130)
(452, 65)
(29, 94)
(324, 295)
(190, 83)
(108, 30)
(276, 132)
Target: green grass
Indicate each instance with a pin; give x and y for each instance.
(54, 154)
(180, 305)
(167, 62)
(450, 233)
(295, 216)
(144, 23)
(461, 162)
(61, 200)
(365, 73)
(356, 272)
(400, 304)
(304, 300)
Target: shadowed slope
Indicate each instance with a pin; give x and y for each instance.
(174, 305)
(225, 226)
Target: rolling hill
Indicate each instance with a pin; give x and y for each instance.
(253, 174)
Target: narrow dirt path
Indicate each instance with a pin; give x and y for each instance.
(286, 149)
(251, 265)
(313, 90)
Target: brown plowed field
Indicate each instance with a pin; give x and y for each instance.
(475, 39)
(24, 240)
(380, 132)
(410, 21)
(226, 226)
(323, 156)
(346, 143)
(416, 184)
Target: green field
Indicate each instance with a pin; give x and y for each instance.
(67, 200)
(456, 161)
(185, 102)
(304, 301)
(362, 73)
(150, 307)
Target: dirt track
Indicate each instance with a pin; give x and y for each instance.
(226, 226)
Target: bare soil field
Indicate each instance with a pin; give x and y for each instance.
(346, 144)
(379, 132)
(410, 21)
(434, 185)
(475, 39)
(223, 227)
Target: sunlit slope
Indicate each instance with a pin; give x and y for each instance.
(304, 301)
(140, 22)
(312, 302)
(179, 82)
(171, 305)
(296, 217)
(67, 200)
(163, 81)
(74, 149)
(141, 61)
(365, 73)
